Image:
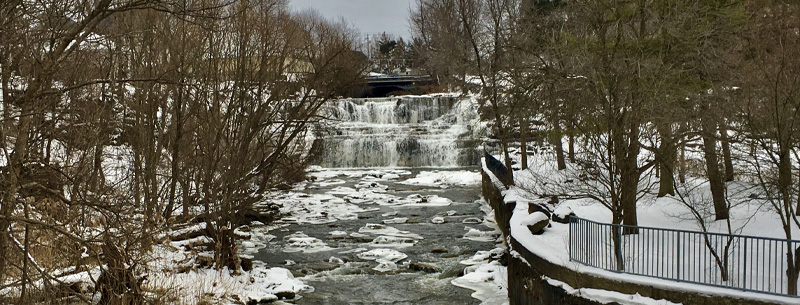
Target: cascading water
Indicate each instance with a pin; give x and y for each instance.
(411, 131)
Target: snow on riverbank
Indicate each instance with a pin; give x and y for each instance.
(748, 217)
(200, 286)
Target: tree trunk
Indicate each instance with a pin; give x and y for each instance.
(666, 162)
(629, 187)
(792, 268)
(523, 139)
(555, 140)
(713, 172)
(571, 145)
(15, 165)
(726, 151)
(624, 147)
(176, 156)
(617, 242)
(682, 174)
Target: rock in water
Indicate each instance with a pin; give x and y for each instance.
(424, 267)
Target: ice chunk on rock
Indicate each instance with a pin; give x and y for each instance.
(299, 242)
(437, 220)
(395, 220)
(338, 233)
(379, 229)
(382, 255)
(478, 235)
(385, 266)
(392, 242)
(471, 220)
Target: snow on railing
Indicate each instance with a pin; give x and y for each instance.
(741, 262)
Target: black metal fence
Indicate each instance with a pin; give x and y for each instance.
(734, 261)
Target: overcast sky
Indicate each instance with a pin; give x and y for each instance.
(367, 16)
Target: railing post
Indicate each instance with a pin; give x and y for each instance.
(744, 265)
(678, 256)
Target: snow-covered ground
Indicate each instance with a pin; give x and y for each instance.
(748, 217)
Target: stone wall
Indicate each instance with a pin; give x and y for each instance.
(526, 286)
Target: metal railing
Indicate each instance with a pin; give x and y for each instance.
(734, 261)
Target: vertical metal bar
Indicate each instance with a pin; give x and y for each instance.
(592, 245)
(770, 281)
(650, 252)
(745, 264)
(678, 256)
(760, 250)
(738, 261)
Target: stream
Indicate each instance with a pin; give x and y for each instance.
(398, 244)
(392, 213)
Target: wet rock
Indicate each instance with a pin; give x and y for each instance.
(452, 272)
(439, 250)
(322, 266)
(424, 267)
(471, 220)
(285, 295)
(247, 264)
(336, 260)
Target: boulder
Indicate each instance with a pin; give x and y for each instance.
(536, 222)
(424, 267)
(562, 214)
(285, 295)
(535, 207)
(246, 263)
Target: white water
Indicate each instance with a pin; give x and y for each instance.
(411, 131)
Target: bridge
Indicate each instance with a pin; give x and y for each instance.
(383, 86)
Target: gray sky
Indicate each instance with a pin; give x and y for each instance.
(367, 16)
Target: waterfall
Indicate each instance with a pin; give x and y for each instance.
(407, 131)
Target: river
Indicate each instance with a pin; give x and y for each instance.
(392, 214)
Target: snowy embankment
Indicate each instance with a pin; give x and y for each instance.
(747, 218)
(196, 286)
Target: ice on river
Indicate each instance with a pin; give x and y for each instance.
(444, 179)
(315, 208)
(379, 229)
(396, 220)
(300, 242)
(478, 235)
(488, 280)
(387, 258)
(392, 242)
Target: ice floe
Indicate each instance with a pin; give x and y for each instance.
(396, 220)
(379, 229)
(300, 242)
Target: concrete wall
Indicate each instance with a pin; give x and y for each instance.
(526, 286)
